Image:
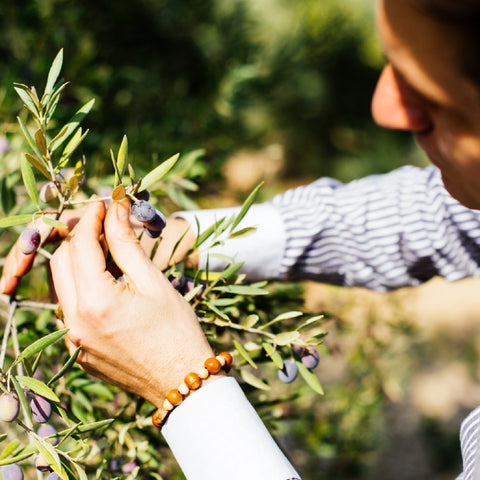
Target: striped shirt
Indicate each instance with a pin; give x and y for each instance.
(381, 232)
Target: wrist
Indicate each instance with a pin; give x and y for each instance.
(213, 368)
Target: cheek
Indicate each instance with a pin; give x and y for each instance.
(459, 147)
(457, 154)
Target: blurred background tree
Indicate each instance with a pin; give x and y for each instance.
(175, 75)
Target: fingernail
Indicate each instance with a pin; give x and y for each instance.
(123, 211)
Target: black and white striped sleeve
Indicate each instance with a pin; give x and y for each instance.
(381, 232)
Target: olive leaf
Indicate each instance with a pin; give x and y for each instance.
(241, 289)
(29, 138)
(310, 378)
(52, 102)
(38, 387)
(15, 220)
(69, 363)
(88, 427)
(159, 172)
(244, 354)
(283, 316)
(26, 453)
(119, 192)
(29, 181)
(54, 72)
(28, 98)
(40, 344)
(39, 164)
(273, 354)
(10, 448)
(246, 205)
(72, 125)
(122, 157)
(22, 398)
(51, 222)
(285, 338)
(41, 141)
(71, 146)
(253, 380)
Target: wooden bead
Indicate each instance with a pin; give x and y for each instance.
(167, 405)
(204, 373)
(174, 397)
(212, 365)
(228, 358)
(193, 381)
(222, 360)
(159, 417)
(183, 389)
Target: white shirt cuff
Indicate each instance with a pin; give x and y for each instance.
(215, 434)
(262, 251)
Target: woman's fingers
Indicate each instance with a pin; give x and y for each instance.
(17, 264)
(78, 265)
(64, 282)
(126, 250)
(87, 255)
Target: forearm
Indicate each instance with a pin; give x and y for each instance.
(229, 439)
(381, 232)
(261, 251)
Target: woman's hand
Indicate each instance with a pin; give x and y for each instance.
(139, 334)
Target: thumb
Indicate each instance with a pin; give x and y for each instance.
(125, 248)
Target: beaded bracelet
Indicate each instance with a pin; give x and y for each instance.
(192, 381)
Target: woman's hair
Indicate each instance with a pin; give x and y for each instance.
(458, 11)
(464, 17)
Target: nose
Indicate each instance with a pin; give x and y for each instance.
(396, 107)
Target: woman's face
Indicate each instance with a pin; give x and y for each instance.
(422, 89)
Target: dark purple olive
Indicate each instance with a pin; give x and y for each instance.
(41, 464)
(54, 476)
(115, 464)
(41, 409)
(143, 195)
(189, 285)
(143, 211)
(47, 430)
(289, 371)
(298, 349)
(310, 358)
(177, 283)
(29, 240)
(158, 223)
(11, 472)
(152, 233)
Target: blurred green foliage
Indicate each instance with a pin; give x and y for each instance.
(176, 75)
